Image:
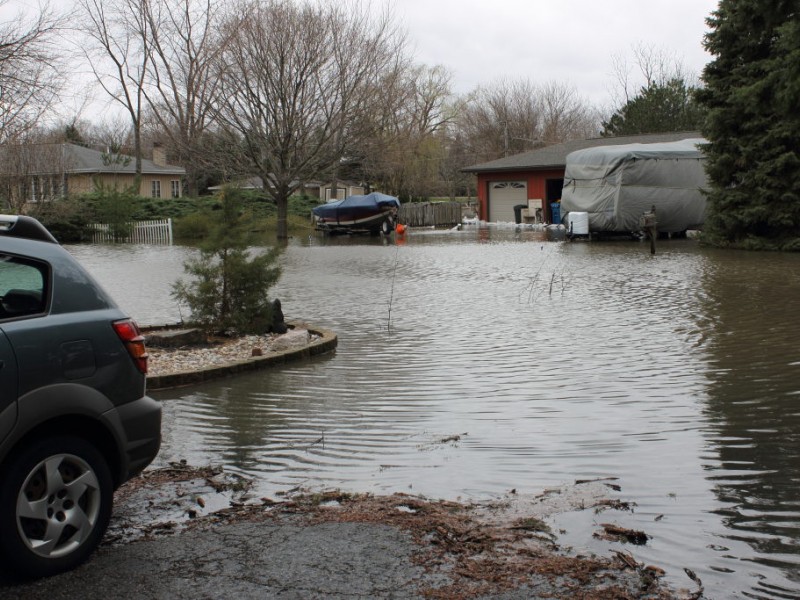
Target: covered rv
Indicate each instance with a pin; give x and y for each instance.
(616, 185)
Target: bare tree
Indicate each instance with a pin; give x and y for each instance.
(185, 43)
(649, 65)
(406, 144)
(502, 118)
(118, 54)
(31, 73)
(565, 116)
(507, 118)
(294, 80)
(31, 173)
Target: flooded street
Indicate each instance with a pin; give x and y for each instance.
(474, 363)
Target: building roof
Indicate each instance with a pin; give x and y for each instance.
(79, 159)
(57, 159)
(555, 156)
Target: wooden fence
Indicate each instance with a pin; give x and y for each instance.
(139, 232)
(430, 214)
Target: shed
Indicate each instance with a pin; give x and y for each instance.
(616, 185)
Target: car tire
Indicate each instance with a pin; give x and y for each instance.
(55, 504)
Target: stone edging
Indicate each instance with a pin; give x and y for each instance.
(326, 342)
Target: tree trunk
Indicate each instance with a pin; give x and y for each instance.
(137, 150)
(192, 182)
(282, 202)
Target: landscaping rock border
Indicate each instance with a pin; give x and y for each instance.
(323, 340)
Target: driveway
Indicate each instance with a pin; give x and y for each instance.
(170, 539)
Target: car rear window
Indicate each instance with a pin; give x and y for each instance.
(23, 287)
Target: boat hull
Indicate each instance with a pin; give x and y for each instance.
(373, 213)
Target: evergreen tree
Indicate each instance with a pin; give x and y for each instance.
(659, 107)
(752, 95)
(229, 291)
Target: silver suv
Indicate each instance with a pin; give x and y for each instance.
(75, 422)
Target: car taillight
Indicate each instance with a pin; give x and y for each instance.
(128, 332)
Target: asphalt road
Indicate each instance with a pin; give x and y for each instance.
(393, 547)
(282, 560)
(245, 560)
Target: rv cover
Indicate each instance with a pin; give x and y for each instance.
(374, 201)
(616, 185)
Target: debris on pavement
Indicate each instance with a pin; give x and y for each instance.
(483, 549)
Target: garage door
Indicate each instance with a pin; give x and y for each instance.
(503, 196)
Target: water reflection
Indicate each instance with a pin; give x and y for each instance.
(473, 362)
(753, 393)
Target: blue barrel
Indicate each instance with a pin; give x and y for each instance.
(555, 211)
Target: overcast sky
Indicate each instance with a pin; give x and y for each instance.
(571, 41)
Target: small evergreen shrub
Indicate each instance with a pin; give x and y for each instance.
(228, 292)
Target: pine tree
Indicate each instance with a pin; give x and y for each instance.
(228, 292)
(752, 94)
(659, 107)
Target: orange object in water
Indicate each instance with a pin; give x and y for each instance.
(401, 229)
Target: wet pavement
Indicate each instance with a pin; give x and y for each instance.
(184, 533)
(245, 560)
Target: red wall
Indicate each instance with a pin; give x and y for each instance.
(535, 181)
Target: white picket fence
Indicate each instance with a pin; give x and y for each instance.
(142, 232)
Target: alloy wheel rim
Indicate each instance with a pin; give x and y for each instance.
(58, 505)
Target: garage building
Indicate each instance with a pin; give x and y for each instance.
(535, 179)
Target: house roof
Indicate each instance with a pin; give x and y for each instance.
(50, 159)
(79, 159)
(555, 156)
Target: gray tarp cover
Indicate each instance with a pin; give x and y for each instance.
(617, 184)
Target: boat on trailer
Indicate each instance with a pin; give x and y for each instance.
(374, 213)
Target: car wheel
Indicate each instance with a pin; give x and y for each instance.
(55, 504)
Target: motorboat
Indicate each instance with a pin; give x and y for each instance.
(374, 213)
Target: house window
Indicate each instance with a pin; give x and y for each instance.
(155, 190)
(176, 188)
(341, 194)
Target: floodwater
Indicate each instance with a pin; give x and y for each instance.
(476, 362)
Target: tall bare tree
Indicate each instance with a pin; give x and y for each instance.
(31, 73)
(509, 117)
(185, 43)
(31, 173)
(565, 115)
(502, 118)
(647, 66)
(405, 147)
(294, 80)
(118, 54)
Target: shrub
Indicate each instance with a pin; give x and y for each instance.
(194, 226)
(68, 220)
(228, 292)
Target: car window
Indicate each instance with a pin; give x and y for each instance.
(23, 287)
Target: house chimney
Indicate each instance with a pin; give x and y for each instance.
(159, 155)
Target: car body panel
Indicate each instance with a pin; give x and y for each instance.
(63, 359)
(8, 381)
(54, 349)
